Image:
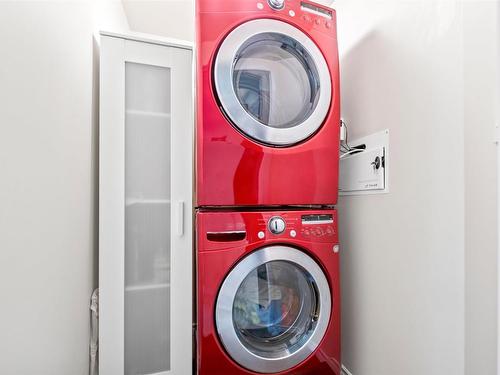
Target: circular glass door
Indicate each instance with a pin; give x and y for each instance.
(274, 85)
(273, 309)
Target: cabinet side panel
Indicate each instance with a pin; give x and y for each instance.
(182, 219)
(111, 206)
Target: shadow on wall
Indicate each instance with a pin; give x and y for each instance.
(369, 71)
(95, 162)
(356, 68)
(173, 18)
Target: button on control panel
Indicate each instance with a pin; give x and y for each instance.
(317, 226)
(316, 16)
(317, 231)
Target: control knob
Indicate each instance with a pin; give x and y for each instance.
(276, 225)
(276, 4)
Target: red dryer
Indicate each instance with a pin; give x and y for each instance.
(268, 293)
(267, 103)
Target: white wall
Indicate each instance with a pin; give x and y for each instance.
(48, 156)
(480, 68)
(403, 252)
(419, 263)
(170, 18)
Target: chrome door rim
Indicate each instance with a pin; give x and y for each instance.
(224, 310)
(223, 74)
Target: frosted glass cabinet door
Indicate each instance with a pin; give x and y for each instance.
(145, 235)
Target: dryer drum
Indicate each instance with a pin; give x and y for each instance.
(273, 85)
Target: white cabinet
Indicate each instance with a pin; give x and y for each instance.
(145, 203)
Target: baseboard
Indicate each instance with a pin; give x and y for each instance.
(345, 371)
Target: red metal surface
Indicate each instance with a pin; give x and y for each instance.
(233, 170)
(216, 259)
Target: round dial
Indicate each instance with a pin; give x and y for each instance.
(276, 4)
(276, 225)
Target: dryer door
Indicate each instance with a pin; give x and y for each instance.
(273, 309)
(273, 82)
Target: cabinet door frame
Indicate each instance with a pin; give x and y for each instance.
(116, 51)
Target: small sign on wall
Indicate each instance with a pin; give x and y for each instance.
(366, 172)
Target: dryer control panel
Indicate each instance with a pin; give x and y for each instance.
(311, 14)
(308, 14)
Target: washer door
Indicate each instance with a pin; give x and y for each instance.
(273, 82)
(273, 309)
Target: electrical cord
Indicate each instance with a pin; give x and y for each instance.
(353, 151)
(346, 149)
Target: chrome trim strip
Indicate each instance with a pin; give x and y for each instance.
(151, 39)
(229, 232)
(223, 72)
(227, 294)
(317, 222)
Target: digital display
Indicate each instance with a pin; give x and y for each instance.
(317, 219)
(316, 10)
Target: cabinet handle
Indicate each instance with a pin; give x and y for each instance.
(180, 218)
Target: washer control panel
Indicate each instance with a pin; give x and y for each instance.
(225, 230)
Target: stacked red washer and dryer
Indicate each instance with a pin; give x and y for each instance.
(268, 293)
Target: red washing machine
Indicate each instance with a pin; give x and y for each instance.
(268, 103)
(268, 293)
